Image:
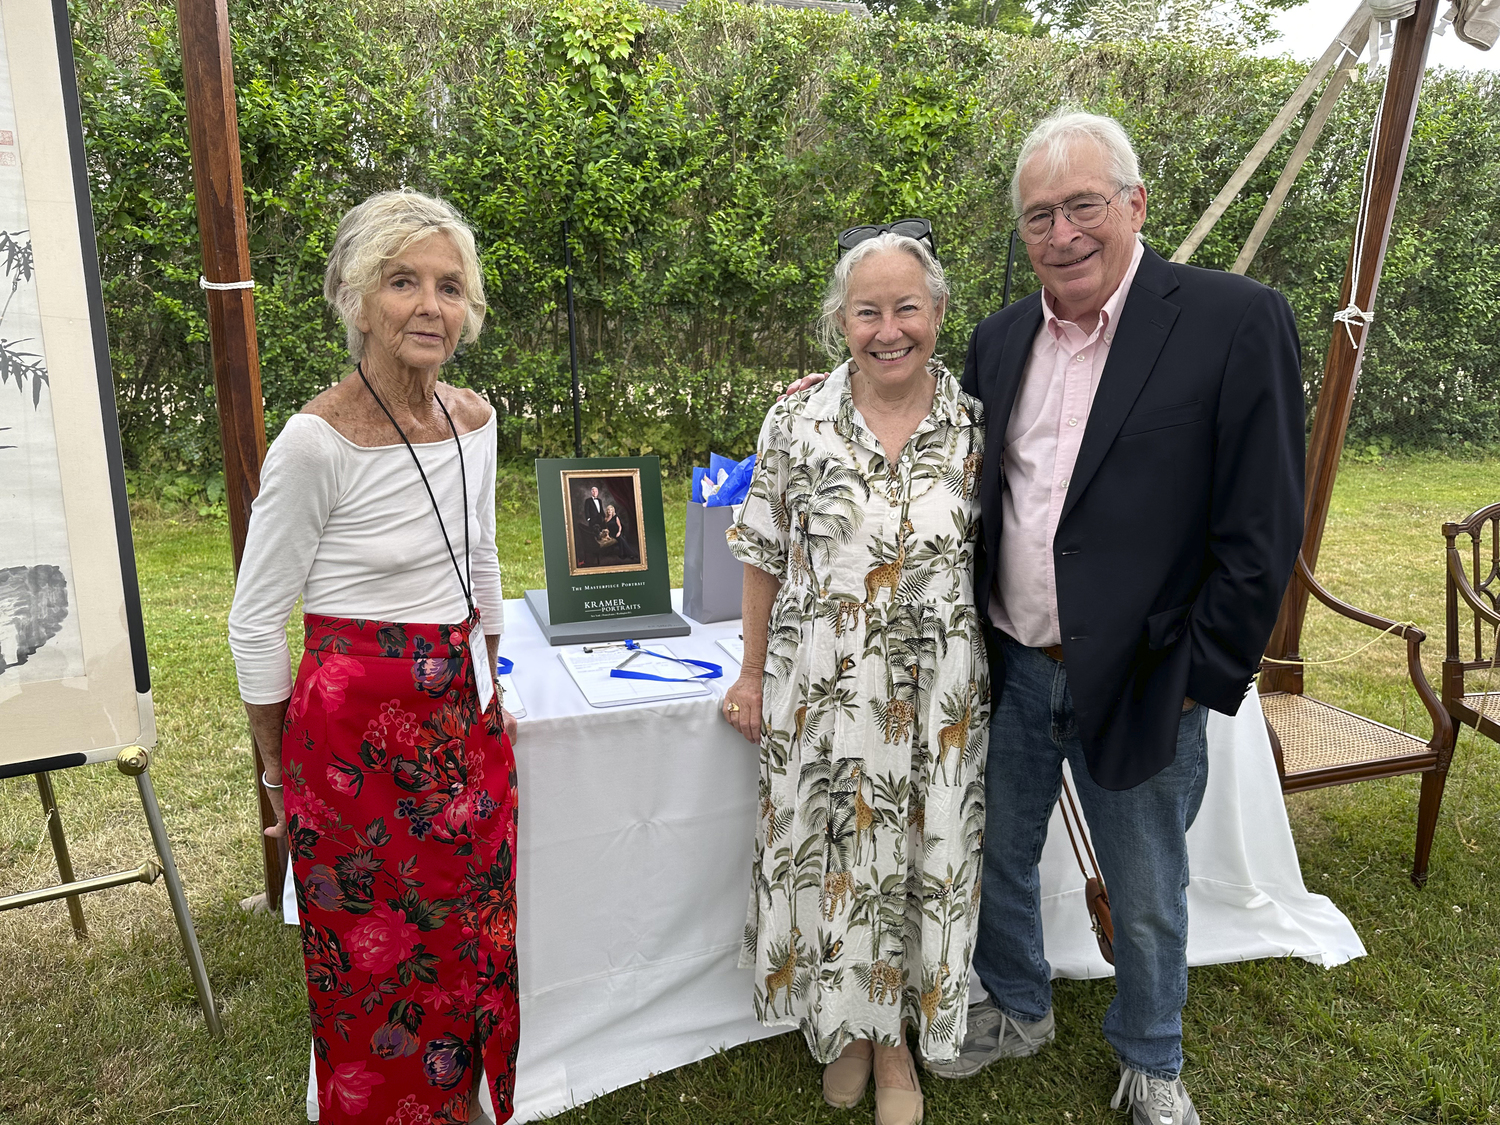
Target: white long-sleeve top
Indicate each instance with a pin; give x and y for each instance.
(351, 530)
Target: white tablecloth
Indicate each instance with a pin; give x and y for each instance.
(635, 837)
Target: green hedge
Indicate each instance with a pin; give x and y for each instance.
(706, 160)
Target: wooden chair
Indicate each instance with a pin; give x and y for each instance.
(1317, 744)
(1477, 586)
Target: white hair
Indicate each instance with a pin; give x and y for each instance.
(830, 335)
(1053, 141)
(373, 233)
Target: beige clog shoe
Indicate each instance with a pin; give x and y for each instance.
(845, 1079)
(899, 1107)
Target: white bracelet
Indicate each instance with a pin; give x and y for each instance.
(266, 783)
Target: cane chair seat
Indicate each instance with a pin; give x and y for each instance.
(1317, 736)
(1485, 702)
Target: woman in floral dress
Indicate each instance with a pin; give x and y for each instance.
(865, 685)
(377, 508)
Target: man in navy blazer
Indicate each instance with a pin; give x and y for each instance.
(1141, 504)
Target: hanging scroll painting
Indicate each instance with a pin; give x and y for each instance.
(74, 682)
(39, 638)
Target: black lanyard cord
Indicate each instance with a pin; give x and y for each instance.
(467, 588)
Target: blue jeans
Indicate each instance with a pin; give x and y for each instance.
(1139, 838)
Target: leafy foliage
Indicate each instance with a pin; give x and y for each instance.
(592, 39)
(705, 161)
(1240, 23)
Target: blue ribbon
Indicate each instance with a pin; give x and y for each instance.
(710, 671)
(504, 667)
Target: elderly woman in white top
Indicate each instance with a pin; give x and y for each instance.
(865, 685)
(377, 508)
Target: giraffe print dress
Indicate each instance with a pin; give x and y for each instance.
(865, 881)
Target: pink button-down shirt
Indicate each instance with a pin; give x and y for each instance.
(1041, 446)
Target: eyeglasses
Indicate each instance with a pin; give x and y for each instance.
(920, 229)
(1084, 211)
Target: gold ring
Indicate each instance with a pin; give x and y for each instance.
(733, 707)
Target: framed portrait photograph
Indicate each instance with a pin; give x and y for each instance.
(603, 512)
(604, 540)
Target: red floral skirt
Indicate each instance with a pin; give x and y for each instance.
(401, 823)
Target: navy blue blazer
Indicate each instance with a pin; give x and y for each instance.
(1184, 513)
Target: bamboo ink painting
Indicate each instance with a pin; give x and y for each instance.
(39, 636)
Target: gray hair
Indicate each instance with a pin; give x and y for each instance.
(1052, 143)
(837, 295)
(373, 233)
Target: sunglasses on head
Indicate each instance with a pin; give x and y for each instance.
(920, 229)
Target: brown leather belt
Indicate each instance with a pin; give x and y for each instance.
(1055, 652)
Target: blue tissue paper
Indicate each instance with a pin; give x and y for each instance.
(727, 481)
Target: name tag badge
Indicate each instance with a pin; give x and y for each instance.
(484, 678)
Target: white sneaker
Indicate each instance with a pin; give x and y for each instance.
(1153, 1101)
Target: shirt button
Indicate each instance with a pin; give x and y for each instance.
(1078, 359)
(1065, 484)
(1072, 421)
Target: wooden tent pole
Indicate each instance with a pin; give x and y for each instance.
(1258, 152)
(1398, 113)
(1301, 150)
(214, 140)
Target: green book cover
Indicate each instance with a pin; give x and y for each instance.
(603, 537)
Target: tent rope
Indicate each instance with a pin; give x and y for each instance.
(1395, 625)
(1351, 313)
(1348, 315)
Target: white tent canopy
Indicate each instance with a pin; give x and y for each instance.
(1476, 22)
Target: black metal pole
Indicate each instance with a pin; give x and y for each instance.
(1010, 265)
(573, 343)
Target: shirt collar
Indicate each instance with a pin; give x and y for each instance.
(827, 398)
(1109, 314)
(832, 400)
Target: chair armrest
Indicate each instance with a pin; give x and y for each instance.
(1442, 722)
(1344, 609)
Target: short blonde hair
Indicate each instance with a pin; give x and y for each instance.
(830, 335)
(378, 229)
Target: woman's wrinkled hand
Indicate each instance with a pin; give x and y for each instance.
(741, 707)
(508, 722)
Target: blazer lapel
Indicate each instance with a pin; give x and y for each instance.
(1145, 322)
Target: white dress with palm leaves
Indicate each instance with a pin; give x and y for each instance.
(865, 896)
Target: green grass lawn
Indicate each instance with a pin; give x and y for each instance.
(108, 1030)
